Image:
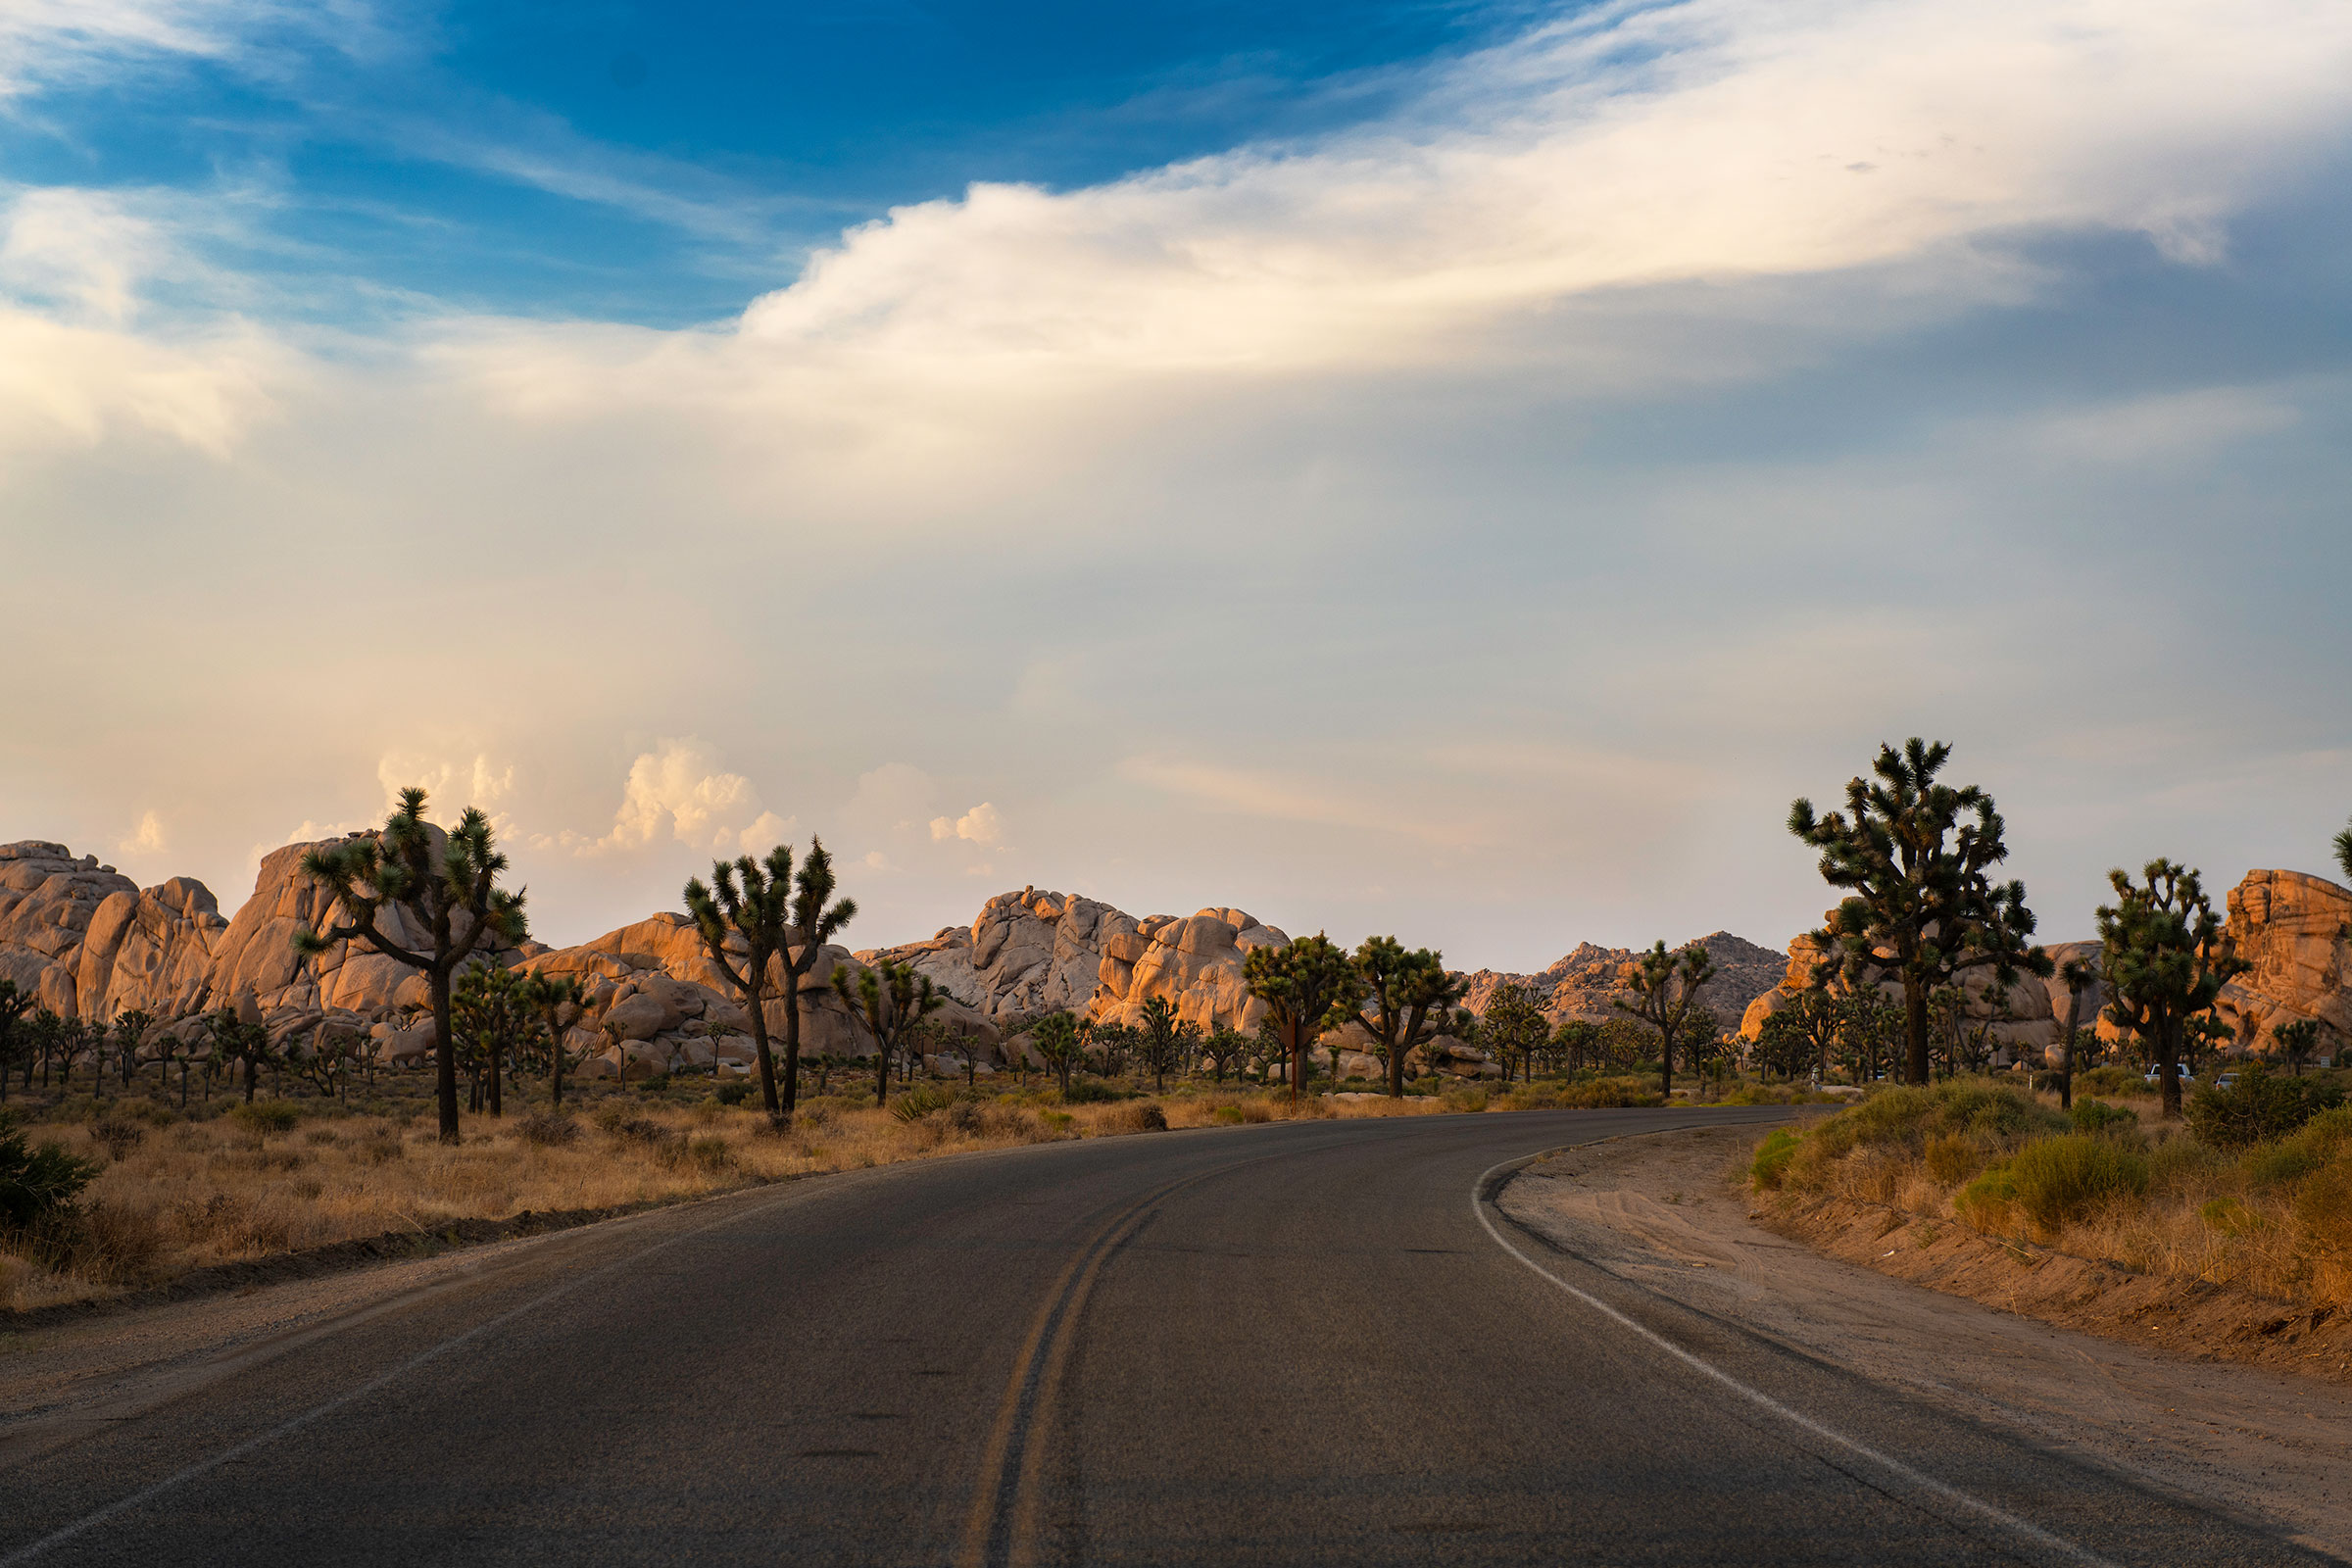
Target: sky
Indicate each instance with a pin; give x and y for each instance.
(1439, 469)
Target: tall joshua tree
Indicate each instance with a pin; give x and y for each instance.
(1308, 987)
(754, 899)
(1663, 993)
(814, 925)
(1412, 997)
(1922, 910)
(2166, 957)
(453, 897)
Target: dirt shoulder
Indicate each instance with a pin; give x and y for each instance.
(1670, 1213)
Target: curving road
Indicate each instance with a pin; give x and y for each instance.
(1307, 1343)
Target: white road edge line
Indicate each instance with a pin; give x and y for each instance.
(293, 1424)
(1757, 1396)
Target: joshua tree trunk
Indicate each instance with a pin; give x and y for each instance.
(445, 1054)
(498, 1104)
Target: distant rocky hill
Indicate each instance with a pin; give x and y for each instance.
(1585, 982)
(88, 943)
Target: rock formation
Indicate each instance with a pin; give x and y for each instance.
(87, 942)
(2292, 929)
(1584, 983)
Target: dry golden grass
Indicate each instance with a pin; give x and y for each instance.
(234, 1188)
(2274, 1219)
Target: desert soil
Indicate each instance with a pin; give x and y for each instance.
(1671, 1211)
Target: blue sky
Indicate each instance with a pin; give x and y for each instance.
(656, 163)
(1446, 469)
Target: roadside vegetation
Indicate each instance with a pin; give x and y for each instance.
(2251, 1189)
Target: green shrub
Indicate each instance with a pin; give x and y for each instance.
(2111, 1080)
(2276, 1164)
(1771, 1166)
(265, 1116)
(2098, 1116)
(2054, 1180)
(2258, 1108)
(36, 1182)
(1609, 1094)
(1092, 1092)
(731, 1094)
(1953, 1158)
(921, 1101)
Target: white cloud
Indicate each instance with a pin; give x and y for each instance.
(146, 839)
(679, 792)
(980, 825)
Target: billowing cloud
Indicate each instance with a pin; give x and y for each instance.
(147, 838)
(678, 793)
(980, 825)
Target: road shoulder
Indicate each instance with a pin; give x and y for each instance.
(1666, 1212)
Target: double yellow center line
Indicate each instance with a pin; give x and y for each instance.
(1001, 1529)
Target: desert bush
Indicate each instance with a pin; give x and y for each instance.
(118, 1138)
(547, 1130)
(642, 1131)
(2258, 1108)
(2052, 1181)
(1608, 1094)
(731, 1094)
(1465, 1100)
(1094, 1092)
(710, 1154)
(1953, 1158)
(2098, 1116)
(265, 1116)
(321, 1137)
(1135, 1117)
(1771, 1166)
(2111, 1080)
(36, 1182)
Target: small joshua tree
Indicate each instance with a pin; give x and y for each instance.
(1166, 1041)
(1514, 1028)
(1308, 987)
(130, 1028)
(548, 995)
(1410, 996)
(1226, 1048)
(890, 999)
(496, 1022)
(2166, 957)
(2296, 1040)
(238, 1044)
(14, 1044)
(452, 897)
(754, 899)
(1663, 993)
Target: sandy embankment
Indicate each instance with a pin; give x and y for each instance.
(1671, 1213)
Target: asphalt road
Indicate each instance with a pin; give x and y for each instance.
(1307, 1343)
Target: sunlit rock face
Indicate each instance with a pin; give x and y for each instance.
(2292, 928)
(1032, 952)
(1583, 984)
(86, 940)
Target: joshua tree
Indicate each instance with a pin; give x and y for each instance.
(715, 1030)
(1664, 995)
(2296, 1040)
(1923, 907)
(1411, 997)
(1807, 1028)
(2082, 977)
(817, 925)
(1514, 1028)
(1166, 1041)
(890, 999)
(236, 1041)
(497, 1019)
(1308, 987)
(1055, 1037)
(69, 1039)
(2343, 851)
(2166, 957)
(453, 897)
(759, 911)
(130, 1028)
(1225, 1049)
(548, 995)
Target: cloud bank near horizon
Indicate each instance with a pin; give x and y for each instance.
(1476, 522)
